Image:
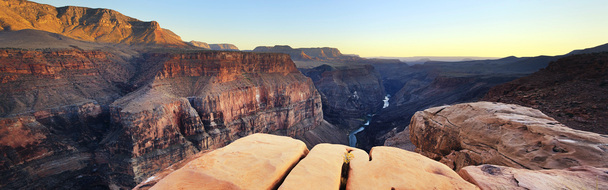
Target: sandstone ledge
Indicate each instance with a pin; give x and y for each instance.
(503, 134)
(262, 161)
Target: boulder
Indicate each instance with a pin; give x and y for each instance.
(503, 134)
(393, 168)
(258, 161)
(502, 177)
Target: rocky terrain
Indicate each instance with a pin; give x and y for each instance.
(261, 161)
(572, 90)
(503, 134)
(230, 95)
(87, 24)
(348, 93)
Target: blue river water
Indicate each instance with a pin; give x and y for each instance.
(352, 139)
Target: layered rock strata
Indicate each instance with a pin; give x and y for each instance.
(117, 119)
(503, 134)
(54, 115)
(502, 177)
(259, 161)
(205, 100)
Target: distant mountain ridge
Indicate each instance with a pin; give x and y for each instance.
(87, 24)
(204, 45)
(303, 54)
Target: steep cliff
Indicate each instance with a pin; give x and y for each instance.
(348, 93)
(54, 114)
(97, 25)
(204, 100)
(114, 122)
(573, 90)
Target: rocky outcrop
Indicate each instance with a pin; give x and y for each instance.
(263, 161)
(258, 161)
(348, 93)
(97, 25)
(228, 95)
(502, 177)
(399, 139)
(503, 134)
(226, 47)
(393, 168)
(573, 90)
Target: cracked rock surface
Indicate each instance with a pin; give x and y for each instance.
(503, 134)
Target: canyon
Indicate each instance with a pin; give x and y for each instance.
(93, 99)
(117, 128)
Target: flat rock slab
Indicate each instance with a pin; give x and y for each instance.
(394, 168)
(258, 161)
(502, 177)
(321, 169)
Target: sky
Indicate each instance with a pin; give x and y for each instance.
(380, 28)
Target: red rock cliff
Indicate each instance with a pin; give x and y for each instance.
(204, 100)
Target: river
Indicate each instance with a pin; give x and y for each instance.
(352, 139)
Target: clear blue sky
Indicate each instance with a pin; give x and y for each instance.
(381, 28)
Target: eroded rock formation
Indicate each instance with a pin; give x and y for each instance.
(502, 177)
(503, 134)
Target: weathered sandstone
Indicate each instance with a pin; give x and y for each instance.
(503, 134)
(502, 177)
(320, 169)
(258, 161)
(393, 168)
